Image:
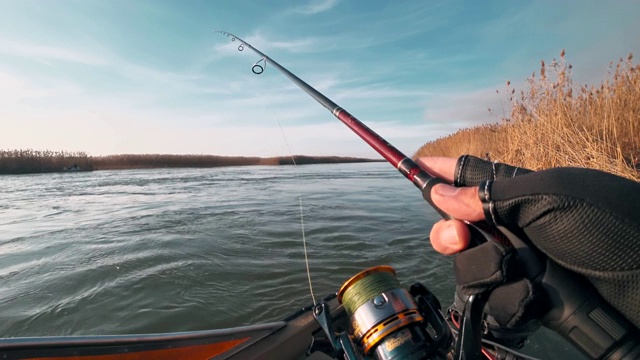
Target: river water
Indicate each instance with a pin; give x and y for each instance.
(165, 250)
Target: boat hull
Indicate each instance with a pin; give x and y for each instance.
(290, 338)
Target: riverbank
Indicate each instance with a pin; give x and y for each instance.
(554, 123)
(33, 161)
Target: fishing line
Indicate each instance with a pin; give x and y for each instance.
(295, 166)
(304, 239)
(258, 68)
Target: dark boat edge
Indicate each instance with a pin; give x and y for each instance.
(290, 338)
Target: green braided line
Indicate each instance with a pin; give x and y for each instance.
(367, 288)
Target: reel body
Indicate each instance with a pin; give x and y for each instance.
(387, 322)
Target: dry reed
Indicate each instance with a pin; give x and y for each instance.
(33, 161)
(555, 123)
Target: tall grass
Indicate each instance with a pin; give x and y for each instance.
(132, 161)
(148, 161)
(555, 123)
(35, 161)
(32, 161)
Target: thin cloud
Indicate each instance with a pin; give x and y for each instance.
(15, 88)
(316, 7)
(261, 42)
(45, 52)
(456, 110)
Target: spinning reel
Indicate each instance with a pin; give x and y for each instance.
(387, 322)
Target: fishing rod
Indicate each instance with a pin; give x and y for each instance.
(605, 335)
(422, 180)
(407, 167)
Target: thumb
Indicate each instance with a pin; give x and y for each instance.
(461, 203)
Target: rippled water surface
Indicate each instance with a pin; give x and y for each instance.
(164, 250)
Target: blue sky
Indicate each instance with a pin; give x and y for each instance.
(112, 76)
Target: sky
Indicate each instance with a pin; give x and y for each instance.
(120, 76)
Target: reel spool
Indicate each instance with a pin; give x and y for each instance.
(386, 321)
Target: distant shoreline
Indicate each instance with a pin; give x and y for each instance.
(15, 162)
(127, 162)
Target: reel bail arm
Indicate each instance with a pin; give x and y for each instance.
(341, 342)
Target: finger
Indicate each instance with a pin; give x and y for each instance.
(440, 167)
(449, 237)
(461, 203)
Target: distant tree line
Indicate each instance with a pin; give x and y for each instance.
(34, 161)
(150, 161)
(132, 161)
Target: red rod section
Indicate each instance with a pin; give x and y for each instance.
(390, 153)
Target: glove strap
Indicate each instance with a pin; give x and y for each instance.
(484, 193)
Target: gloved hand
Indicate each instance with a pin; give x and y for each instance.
(585, 220)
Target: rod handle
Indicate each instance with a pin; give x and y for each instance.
(581, 316)
(428, 184)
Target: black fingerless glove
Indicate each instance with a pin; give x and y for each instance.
(585, 220)
(514, 300)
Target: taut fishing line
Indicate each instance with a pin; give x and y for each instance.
(295, 166)
(304, 239)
